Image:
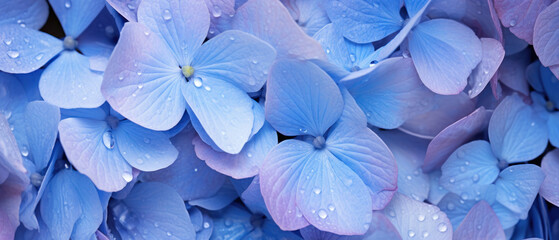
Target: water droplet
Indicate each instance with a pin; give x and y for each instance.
(411, 233)
(8, 41)
(475, 178)
(140, 161)
(317, 191)
(232, 38)
(130, 6)
(435, 217)
(206, 224)
(24, 151)
(464, 196)
(139, 73)
(478, 227)
(533, 124)
(450, 206)
(140, 86)
(425, 234)
(460, 153)
(452, 180)
(167, 15)
(408, 177)
(127, 177)
(67, 4)
(169, 234)
(327, 50)
(512, 23)
(197, 82)
(442, 227)
(421, 218)
(208, 88)
(39, 56)
(13, 54)
(392, 213)
(322, 213)
(216, 11)
(108, 140)
(331, 207)
(352, 57)
(348, 182)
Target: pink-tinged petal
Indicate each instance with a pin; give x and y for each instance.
(492, 56)
(279, 177)
(9, 210)
(143, 80)
(222, 12)
(127, 8)
(445, 111)
(188, 175)
(270, 21)
(418, 219)
(182, 24)
(244, 164)
(444, 53)
(550, 166)
(520, 15)
(512, 72)
(453, 136)
(546, 37)
(480, 223)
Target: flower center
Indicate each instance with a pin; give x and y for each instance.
(36, 179)
(502, 164)
(70, 43)
(319, 142)
(187, 71)
(112, 121)
(549, 106)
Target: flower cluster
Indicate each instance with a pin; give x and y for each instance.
(279, 119)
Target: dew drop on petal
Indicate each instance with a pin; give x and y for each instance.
(331, 207)
(67, 4)
(435, 217)
(167, 15)
(206, 224)
(421, 218)
(442, 227)
(13, 54)
(322, 213)
(108, 140)
(24, 151)
(317, 191)
(197, 82)
(411, 233)
(127, 176)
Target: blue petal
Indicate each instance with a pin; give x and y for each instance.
(70, 206)
(436, 191)
(25, 50)
(76, 15)
(225, 196)
(301, 99)
(224, 111)
(89, 146)
(244, 164)
(365, 21)
(30, 83)
(550, 84)
(12, 107)
(364, 153)
(550, 166)
(271, 22)
(553, 126)
(182, 24)
(236, 57)
(518, 186)
(512, 71)
(469, 169)
(341, 51)
(144, 149)
(188, 175)
(455, 208)
(480, 223)
(389, 93)
(41, 121)
(516, 132)
(444, 53)
(143, 80)
(232, 223)
(154, 211)
(409, 153)
(413, 218)
(60, 86)
(29, 13)
(414, 6)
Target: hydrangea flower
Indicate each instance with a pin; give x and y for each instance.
(25, 50)
(105, 146)
(336, 171)
(163, 64)
(479, 169)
